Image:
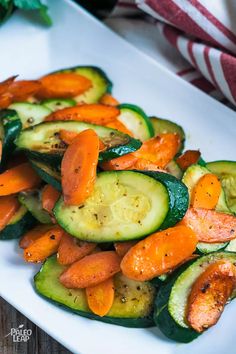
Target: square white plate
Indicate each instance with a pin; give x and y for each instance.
(30, 50)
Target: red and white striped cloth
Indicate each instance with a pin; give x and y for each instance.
(202, 31)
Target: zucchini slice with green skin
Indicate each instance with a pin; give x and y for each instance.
(125, 205)
(42, 142)
(19, 224)
(162, 126)
(100, 83)
(56, 104)
(48, 173)
(226, 171)
(31, 200)
(10, 127)
(204, 247)
(174, 169)
(231, 247)
(136, 121)
(171, 300)
(133, 302)
(30, 113)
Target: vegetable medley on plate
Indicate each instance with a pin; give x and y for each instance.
(130, 228)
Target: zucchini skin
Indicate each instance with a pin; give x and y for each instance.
(12, 126)
(14, 231)
(46, 177)
(178, 197)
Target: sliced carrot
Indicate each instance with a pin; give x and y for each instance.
(146, 165)
(91, 270)
(209, 295)
(123, 247)
(5, 100)
(206, 193)
(8, 207)
(21, 90)
(109, 100)
(116, 124)
(18, 179)
(43, 246)
(101, 297)
(159, 253)
(68, 136)
(210, 226)
(188, 158)
(124, 162)
(63, 85)
(71, 249)
(79, 166)
(90, 113)
(32, 235)
(4, 85)
(49, 198)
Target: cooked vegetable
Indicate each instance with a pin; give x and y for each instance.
(210, 225)
(188, 158)
(89, 113)
(209, 295)
(63, 85)
(10, 127)
(171, 301)
(204, 247)
(29, 237)
(30, 113)
(79, 165)
(226, 171)
(91, 270)
(123, 247)
(116, 124)
(49, 198)
(32, 201)
(43, 142)
(71, 249)
(109, 100)
(23, 89)
(206, 192)
(159, 253)
(17, 179)
(173, 168)
(49, 174)
(55, 104)
(43, 246)
(132, 305)
(136, 121)
(125, 205)
(8, 207)
(100, 297)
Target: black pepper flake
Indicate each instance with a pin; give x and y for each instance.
(52, 237)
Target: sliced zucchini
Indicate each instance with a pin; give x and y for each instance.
(133, 302)
(192, 176)
(30, 113)
(56, 104)
(100, 83)
(31, 200)
(231, 247)
(19, 224)
(49, 174)
(136, 121)
(174, 169)
(171, 300)
(10, 127)
(226, 171)
(204, 247)
(42, 141)
(162, 126)
(125, 205)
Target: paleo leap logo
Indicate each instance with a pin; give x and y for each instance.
(20, 334)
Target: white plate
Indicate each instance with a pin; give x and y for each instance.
(77, 38)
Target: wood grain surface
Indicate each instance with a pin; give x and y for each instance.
(39, 342)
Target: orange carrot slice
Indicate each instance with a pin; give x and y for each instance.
(210, 226)
(89, 113)
(68, 136)
(21, 90)
(5, 100)
(116, 124)
(71, 249)
(125, 162)
(4, 85)
(49, 198)
(188, 158)
(109, 100)
(79, 166)
(159, 253)
(123, 247)
(101, 297)
(18, 179)
(43, 246)
(210, 294)
(146, 165)
(32, 235)
(91, 270)
(8, 207)
(206, 193)
(63, 85)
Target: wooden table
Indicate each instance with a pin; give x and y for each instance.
(39, 342)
